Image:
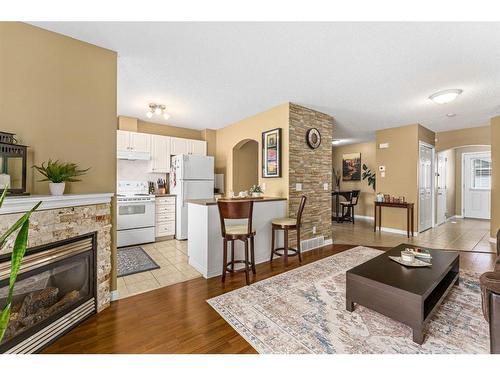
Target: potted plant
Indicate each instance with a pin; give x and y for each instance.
(58, 173)
(336, 179)
(256, 191)
(369, 175)
(18, 251)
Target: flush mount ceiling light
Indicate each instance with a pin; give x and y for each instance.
(451, 114)
(446, 96)
(157, 109)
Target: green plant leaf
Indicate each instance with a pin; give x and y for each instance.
(56, 171)
(18, 224)
(18, 251)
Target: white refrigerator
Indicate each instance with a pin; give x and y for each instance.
(191, 177)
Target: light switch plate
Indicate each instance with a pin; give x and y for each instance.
(325, 186)
(383, 145)
(298, 187)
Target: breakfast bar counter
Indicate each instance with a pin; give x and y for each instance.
(205, 238)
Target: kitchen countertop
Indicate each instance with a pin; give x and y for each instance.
(210, 202)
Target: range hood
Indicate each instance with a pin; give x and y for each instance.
(133, 155)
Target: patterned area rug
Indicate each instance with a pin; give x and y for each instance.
(303, 311)
(134, 260)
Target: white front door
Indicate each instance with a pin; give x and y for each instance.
(441, 189)
(477, 185)
(425, 188)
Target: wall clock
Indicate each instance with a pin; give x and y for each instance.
(313, 138)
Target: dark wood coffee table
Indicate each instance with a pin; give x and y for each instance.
(409, 295)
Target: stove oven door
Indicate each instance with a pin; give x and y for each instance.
(132, 215)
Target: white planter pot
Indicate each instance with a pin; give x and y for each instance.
(256, 195)
(57, 188)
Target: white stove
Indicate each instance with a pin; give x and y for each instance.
(136, 213)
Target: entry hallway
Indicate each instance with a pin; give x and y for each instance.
(456, 234)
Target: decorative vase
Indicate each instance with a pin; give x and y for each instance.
(57, 188)
(256, 195)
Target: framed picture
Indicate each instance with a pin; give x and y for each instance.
(271, 153)
(351, 167)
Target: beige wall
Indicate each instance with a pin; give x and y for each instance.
(450, 183)
(59, 96)
(252, 128)
(210, 136)
(458, 173)
(367, 196)
(167, 130)
(495, 180)
(245, 165)
(463, 137)
(401, 162)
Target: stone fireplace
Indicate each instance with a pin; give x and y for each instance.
(65, 275)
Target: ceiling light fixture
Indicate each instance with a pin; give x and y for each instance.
(451, 114)
(157, 109)
(446, 96)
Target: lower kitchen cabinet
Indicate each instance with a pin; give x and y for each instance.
(165, 217)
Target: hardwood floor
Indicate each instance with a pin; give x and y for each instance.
(176, 318)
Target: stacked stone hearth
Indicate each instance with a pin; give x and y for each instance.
(56, 224)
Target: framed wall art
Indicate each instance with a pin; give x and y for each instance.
(271, 153)
(351, 167)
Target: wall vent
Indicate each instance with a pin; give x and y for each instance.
(312, 243)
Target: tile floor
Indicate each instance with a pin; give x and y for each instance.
(458, 234)
(172, 258)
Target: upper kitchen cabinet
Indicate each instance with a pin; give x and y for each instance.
(132, 141)
(122, 140)
(140, 142)
(187, 146)
(179, 146)
(197, 147)
(160, 154)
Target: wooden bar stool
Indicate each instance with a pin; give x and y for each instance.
(233, 210)
(286, 224)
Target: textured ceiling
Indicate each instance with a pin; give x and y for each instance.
(367, 75)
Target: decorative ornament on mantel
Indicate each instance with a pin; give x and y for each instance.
(58, 173)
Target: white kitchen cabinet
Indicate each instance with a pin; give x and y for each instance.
(197, 147)
(122, 140)
(132, 141)
(165, 216)
(179, 146)
(140, 142)
(160, 154)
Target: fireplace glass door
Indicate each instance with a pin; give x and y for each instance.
(45, 293)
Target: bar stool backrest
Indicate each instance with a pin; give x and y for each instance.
(354, 197)
(302, 204)
(233, 210)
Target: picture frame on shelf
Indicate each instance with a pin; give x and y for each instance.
(271, 153)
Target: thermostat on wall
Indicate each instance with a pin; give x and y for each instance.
(381, 168)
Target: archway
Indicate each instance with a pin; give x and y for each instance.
(245, 165)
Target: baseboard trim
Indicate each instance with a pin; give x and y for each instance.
(397, 231)
(115, 295)
(361, 217)
(383, 229)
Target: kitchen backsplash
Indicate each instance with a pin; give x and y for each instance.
(136, 170)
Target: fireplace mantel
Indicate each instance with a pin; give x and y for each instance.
(49, 202)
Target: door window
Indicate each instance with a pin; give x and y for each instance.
(481, 173)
